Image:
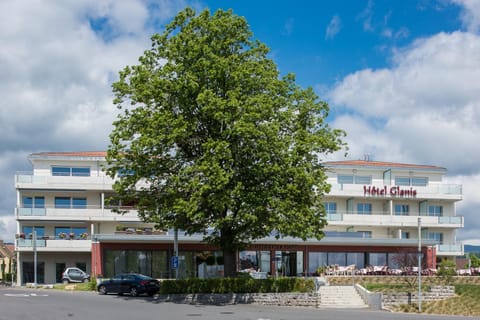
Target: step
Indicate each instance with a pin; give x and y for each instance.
(340, 297)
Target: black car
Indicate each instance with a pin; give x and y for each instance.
(132, 283)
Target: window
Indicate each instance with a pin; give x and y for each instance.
(342, 179)
(81, 172)
(402, 181)
(71, 171)
(348, 179)
(401, 209)
(405, 235)
(34, 202)
(60, 171)
(363, 180)
(65, 232)
(28, 231)
(68, 203)
(330, 207)
(364, 208)
(435, 236)
(365, 234)
(419, 181)
(411, 181)
(435, 211)
(79, 203)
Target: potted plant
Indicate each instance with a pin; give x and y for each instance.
(21, 235)
(83, 235)
(62, 235)
(72, 235)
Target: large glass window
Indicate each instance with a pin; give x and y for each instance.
(344, 179)
(71, 171)
(34, 202)
(411, 181)
(402, 209)
(356, 258)
(377, 259)
(330, 207)
(62, 202)
(316, 260)
(435, 211)
(435, 236)
(363, 180)
(338, 258)
(81, 172)
(28, 231)
(67, 203)
(364, 208)
(255, 260)
(79, 203)
(60, 171)
(419, 181)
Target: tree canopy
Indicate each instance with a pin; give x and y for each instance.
(212, 139)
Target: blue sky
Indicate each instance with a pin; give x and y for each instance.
(401, 77)
(323, 41)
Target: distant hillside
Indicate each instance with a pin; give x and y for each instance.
(469, 248)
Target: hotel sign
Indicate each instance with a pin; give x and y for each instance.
(384, 191)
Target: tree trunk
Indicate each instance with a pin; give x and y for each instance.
(229, 263)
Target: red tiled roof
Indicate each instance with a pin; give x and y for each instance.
(368, 163)
(72, 154)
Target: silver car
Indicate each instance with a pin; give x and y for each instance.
(74, 275)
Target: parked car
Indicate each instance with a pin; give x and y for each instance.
(74, 275)
(132, 283)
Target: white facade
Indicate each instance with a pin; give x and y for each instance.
(385, 201)
(66, 193)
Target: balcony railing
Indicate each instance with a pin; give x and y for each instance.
(434, 191)
(55, 244)
(79, 213)
(386, 219)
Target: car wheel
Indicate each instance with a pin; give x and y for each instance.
(65, 281)
(151, 294)
(102, 290)
(85, 280)
(133, 292)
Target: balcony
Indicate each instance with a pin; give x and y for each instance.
(387, 220)
(90, 213)
(29, 181)
(435, 191)
(54, 245)
(455, 249)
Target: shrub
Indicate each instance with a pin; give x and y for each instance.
(236, 285)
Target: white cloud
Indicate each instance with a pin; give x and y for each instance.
(57, 63)
(333, 27)
(424, 109)
(470, 14)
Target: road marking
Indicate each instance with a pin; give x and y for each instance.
(25, 295)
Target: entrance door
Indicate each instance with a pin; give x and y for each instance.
(28, 274)
(59, 268)
(287, 264)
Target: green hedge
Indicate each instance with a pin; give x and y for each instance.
(237, 285)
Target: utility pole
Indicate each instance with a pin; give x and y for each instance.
(34, 243)
(419, 264)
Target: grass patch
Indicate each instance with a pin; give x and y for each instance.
(465, 303)
(73, 287)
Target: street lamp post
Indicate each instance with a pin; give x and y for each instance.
(419, 264)
(34, 240)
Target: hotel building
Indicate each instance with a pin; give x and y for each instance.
(375, 211)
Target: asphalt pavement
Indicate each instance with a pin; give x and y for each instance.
(50, 304)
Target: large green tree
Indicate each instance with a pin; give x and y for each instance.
(211, 139)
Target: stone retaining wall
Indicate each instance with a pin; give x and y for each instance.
(272, 299)
(435, 293)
